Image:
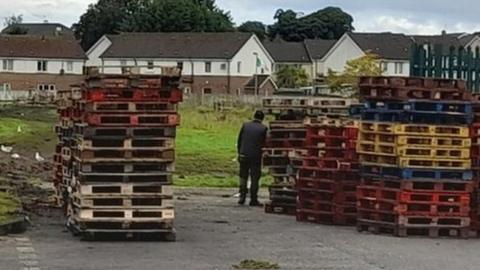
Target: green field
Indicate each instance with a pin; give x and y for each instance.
(9, 207)
(206, 147)
(206, 141)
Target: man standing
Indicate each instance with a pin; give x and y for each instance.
(250, 142)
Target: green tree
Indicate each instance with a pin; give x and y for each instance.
(289, 76)
(327, 23)
(258, 28)
(346, 83)
(13, 23)
(112, 16)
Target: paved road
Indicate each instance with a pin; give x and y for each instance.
(213, 233)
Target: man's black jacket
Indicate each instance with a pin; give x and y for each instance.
(251, 140)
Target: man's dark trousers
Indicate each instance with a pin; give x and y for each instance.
(253, 168)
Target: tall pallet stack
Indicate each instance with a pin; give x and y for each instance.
(414, 150)
(475, 154)
(285, 144)
(283, 150)
(329, 176)
(118, 180)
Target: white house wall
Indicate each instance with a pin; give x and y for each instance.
(345, 50)
(54, 66)
(391, 68)
(249, 61)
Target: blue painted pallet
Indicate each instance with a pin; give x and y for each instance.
(416, 174)
(416, 117)
(355, 110)
(422, 106)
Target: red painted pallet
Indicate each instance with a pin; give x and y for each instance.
(132, 120)
(119, 94)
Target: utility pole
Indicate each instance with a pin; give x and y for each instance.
(256, 71)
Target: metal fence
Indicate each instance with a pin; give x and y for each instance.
(441, 61)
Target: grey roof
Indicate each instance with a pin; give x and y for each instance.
(385, 45)
(39, 47)
(447, 40)
(318, 48)
(43, 29)
(287, 52)
(176, 45)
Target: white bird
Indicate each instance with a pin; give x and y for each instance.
(15, 156)
(19, 129)
(6, 149)
(39, 158)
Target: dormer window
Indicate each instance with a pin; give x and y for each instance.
(42, 65)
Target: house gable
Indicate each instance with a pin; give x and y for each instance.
(338, 56)
(244, 61)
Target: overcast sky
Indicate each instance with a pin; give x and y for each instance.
(407, 16)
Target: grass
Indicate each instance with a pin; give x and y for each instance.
(27, 127)
(9, 206)
(205, 145)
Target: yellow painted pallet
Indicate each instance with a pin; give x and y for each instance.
(376, 138)
(412, 151)
(382, 160)
(440, 142)
(464, 164)
(433, 153)
(376, 127)
(431, 130)
(376, 149)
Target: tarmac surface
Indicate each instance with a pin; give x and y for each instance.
(214, 233)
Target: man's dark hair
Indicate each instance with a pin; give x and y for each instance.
(259, 115)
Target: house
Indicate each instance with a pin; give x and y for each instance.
(290, 54)
(265, 83)
(317, 49)
(392, 49)
(211, 63)
(448, 40)
(41, 30)
(32, 63)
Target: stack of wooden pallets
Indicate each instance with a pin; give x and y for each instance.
(329, 174)
(414, 151)
(121, 141)
(285, 144)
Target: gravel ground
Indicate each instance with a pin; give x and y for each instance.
(214, 233)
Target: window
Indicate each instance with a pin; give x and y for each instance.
(239, 66)
(7, 64)
(223, 66)
(42, 65)
(207, 91)
(69, 66)
(46, 87)
(180, 65)
(150, 65)
(398, 68)
(384, 66)
(208, 67)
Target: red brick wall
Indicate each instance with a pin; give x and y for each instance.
(26, 82)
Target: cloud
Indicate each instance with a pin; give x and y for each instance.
(63, 11)
(408, 16)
